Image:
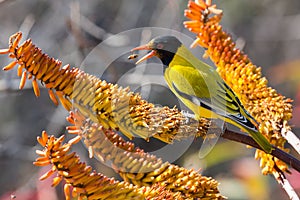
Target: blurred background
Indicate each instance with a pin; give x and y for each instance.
(267, 30)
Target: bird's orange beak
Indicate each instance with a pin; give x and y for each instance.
(151, 54)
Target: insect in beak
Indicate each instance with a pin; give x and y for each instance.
(133, 56)
(151, 54)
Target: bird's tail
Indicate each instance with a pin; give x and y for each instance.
(260, 139)
(247, 124)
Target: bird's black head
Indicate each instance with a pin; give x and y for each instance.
(164, 47)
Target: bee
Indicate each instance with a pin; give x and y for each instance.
(132, 56)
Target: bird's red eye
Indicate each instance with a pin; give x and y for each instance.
(160, 46)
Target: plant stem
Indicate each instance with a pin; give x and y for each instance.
(278, 153)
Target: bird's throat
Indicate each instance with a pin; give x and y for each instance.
(166, 57)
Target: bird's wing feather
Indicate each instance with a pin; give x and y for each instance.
(209, 91)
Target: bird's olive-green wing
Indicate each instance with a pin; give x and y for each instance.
(207, 90)
(189, 81)
(196, 85)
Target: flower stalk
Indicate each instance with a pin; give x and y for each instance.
(81, 182)
(136, 166)
(269, 108)
(112, 106)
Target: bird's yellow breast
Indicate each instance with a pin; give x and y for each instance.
(190, 79)
(186, 80)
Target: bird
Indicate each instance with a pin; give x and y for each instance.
(200, 87)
